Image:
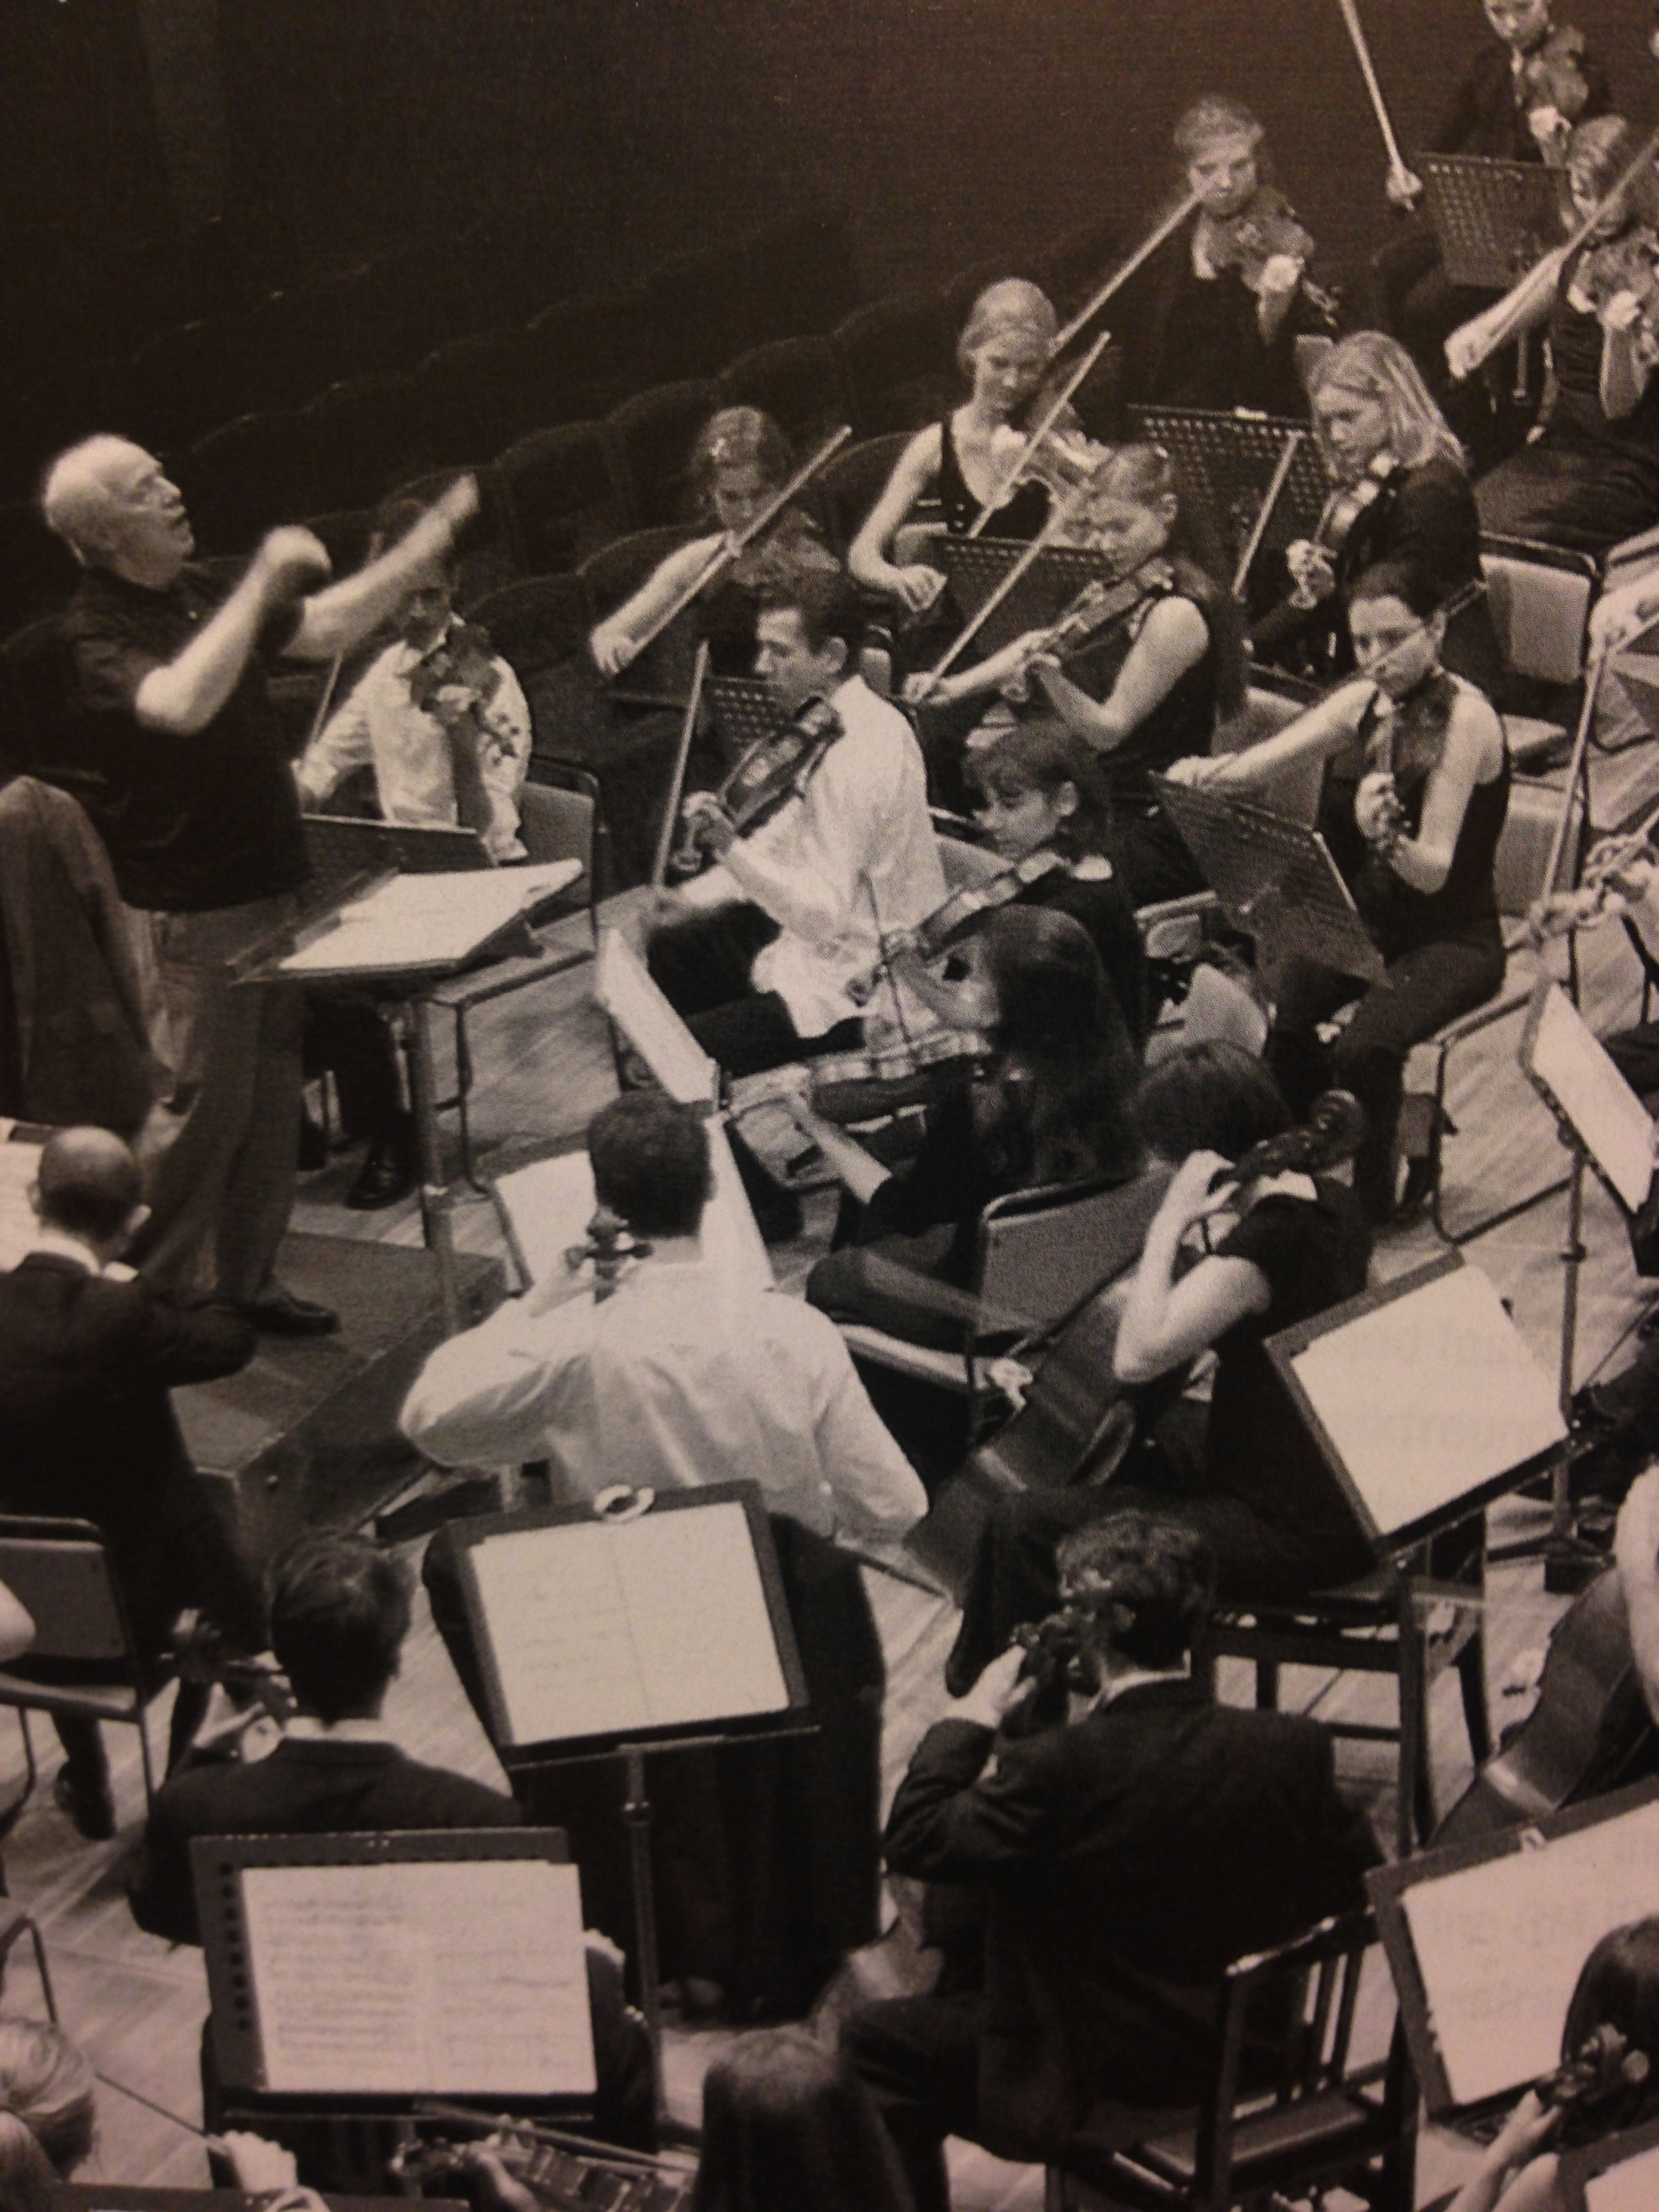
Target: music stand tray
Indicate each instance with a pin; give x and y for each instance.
(1275, 879)
(1423, 1399)
(975, 567)
(1228, 459)
(1493, 220)
(1596, 1110)
(342, 847)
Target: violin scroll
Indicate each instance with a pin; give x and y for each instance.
(1333, 1131)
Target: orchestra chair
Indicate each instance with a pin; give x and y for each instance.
(249, 475)
(797, 381)
(661, 675)
(558, 820)
(1522, 857)
(1288, 2114)
(1414, 1621)
(368, 436)
(850, 485)
(540, 626)
(897, 364)
(60, 1573)
(1539, 597)
(651, 436)
(563, 490)
(474, 395)
(586, 353)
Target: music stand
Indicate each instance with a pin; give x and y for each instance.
(1485, 1939)
(350, 1975)
(975, 567)
(341, 847)
(1492, 219)
(1275, 879)
(743, 713)
(637, 1623)
(1229, 461)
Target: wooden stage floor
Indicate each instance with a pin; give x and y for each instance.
(543, 1060)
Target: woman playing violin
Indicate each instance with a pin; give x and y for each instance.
(1051, 1106)
(1416, 787)
(1518, 102)
(964, 460)
(1149, 688)
(1223, 302)
(1224, 1265)
(1400, 492)
(1592, 477)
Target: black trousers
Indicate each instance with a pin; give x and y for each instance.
(1421, 991)
(920, 2058)
(701, 966)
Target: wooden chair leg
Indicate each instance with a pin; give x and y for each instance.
(1267, 1685)
(1414, 1816)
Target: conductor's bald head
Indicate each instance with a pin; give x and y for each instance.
(89, 1186)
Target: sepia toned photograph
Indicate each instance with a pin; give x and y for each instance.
(829, 1232)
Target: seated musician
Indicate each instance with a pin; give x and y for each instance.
(1400, 492)
(1416, 787)
(1044, 799)
(1128, 1854)
(1517, 102)
(1591, 478)
(1636, 1554)
(1050, 1106)
(756, 953)
(444, 754)
(963, 461)
(1148, 686)
(1224, 1268)
(1608, 2082)
(339, 1614)
(1215, 314)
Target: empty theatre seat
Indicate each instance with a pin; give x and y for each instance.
(797, 381)
(851, 485)
(247, 475)
(540, 626)
(368, 436)
(475, 395)
(184, 381)
(651, 436)
(37, 570)
(487, 550)
(585, 354)
(897, 365)
(561, 490)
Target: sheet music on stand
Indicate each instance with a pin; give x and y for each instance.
(975, 567)
(1275, 879)
(351, 1969)
(1493, 220)
(21, 1144)
(743, 713)
(595, 1632)
(1485, 1939)
(1228, 460)
(1477, 1415)
(1574, 1074)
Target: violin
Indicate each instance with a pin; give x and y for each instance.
(1060, 1662)
(200, 1655)
(464, 658)
(564, 2180)
(1341, 511)
(1096, 607)
(775, 769)
(1260, 232)
(611, 1246)
(1551, 76)
(1333, 1134)
(950, 922)
(1630, 264)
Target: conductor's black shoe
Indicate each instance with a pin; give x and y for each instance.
(386, 1176)
(89, 1806)
(277, 1312)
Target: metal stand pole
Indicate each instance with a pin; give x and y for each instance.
(636, 1814)
(436, 1196)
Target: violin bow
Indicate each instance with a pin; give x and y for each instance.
(1517, 300)
(677, 782)
(1259, 528)
(1058, 520)
(1399, 170)
(1142, 253)
(1051, 415)
(722, 559)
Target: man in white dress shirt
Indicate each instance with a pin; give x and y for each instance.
(758, 953)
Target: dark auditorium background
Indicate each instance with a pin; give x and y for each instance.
(950, 130)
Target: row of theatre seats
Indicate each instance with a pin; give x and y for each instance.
(590, 407)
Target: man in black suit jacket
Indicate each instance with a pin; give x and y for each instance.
(339, 1613)
(87, 1356)
(1128, 1857)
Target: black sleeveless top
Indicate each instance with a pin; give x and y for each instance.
(1578, 417)
(1181, 723)
(1021, 515)
(1399, 918)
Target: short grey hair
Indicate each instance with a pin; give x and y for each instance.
(74, 490)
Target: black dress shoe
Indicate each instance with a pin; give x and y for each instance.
(277, 1312)
(88, 1806)
(386, 1176)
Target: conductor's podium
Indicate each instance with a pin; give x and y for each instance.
(306, 1435)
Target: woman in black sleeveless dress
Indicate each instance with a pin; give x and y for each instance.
(1417, 785)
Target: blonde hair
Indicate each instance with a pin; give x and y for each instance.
(46, 2113)
(1373, 366)
(1012, 307)
(1210, 121)
(1598, 154)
